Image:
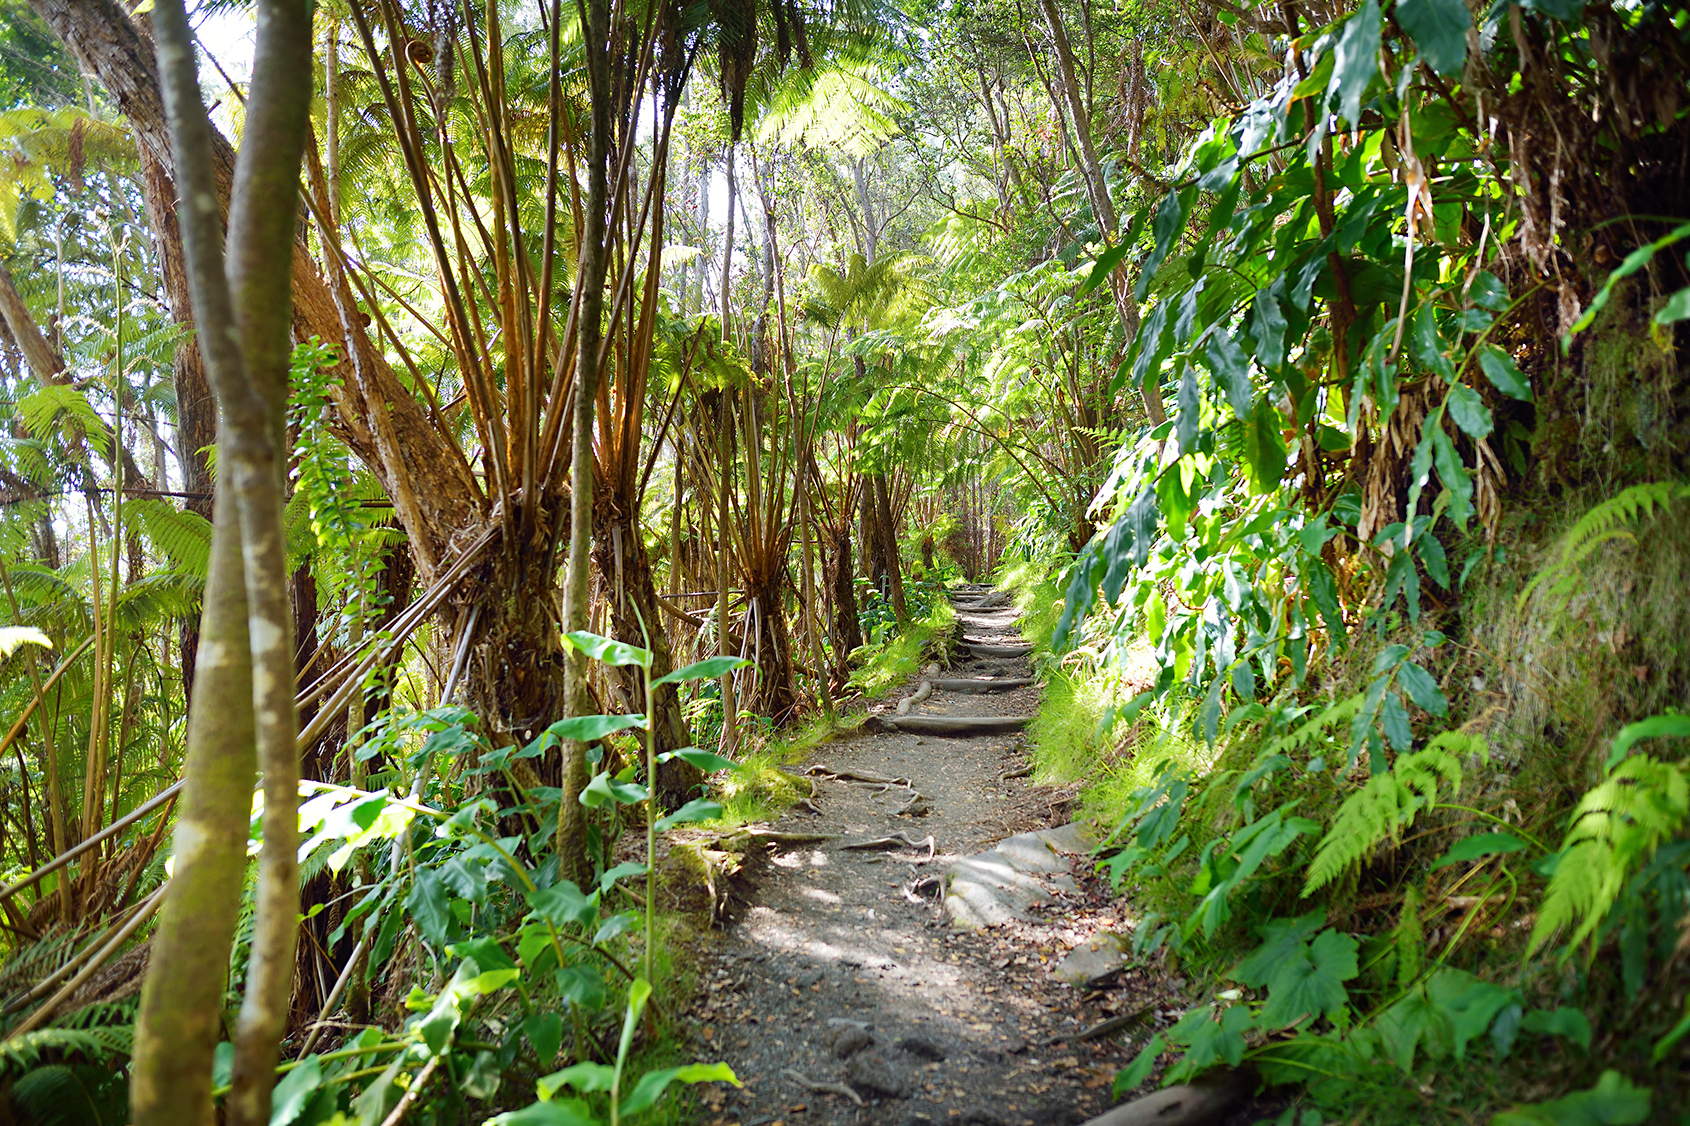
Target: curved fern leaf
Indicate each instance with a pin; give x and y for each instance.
(1603, 523)
(1388, 803)
(1616, 826)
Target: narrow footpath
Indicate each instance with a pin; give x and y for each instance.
(901, 966)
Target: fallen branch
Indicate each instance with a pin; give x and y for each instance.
(828, 1088)
(1116, 1024)
(1018, 772)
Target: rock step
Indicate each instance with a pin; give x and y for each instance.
(980, 650)
(959, 726)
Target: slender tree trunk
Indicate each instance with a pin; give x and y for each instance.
(590, 277)
(181, 1016)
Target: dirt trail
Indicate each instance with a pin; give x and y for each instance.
(841, 973)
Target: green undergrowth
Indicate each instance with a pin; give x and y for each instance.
(882, 667)
(760, 790)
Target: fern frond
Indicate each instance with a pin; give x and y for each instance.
(1603, 523)
(1340, 712)
(24, 1052)
(1616, 826)
(182, 537)
(1388, 804)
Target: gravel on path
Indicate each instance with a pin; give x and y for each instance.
(838, 973)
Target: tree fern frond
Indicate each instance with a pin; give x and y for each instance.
(182, 537)
(24, 1052)
(1388, 803)
(1616, 826)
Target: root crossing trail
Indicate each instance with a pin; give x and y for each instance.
(842, 991)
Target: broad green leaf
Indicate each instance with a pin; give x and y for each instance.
(1357, 62)
(485, 951)
(1222, 1040)
(1453, 473)
(295, 1089)
(568, 1112)
(708, 669)
(708, 761)
(427, 904)
(1676, 309)
(1264, 447)
(1284, 938)
(1135, 1073)
(1439, 28)
(13, 636)
(616, 925)
(696, 810)
(1190, 412)
(1499, 368)
(1469, 1004)
(1565, 1022)
(1614, 1101)
(1411, 1021)
(653, 1083)
(604, 789)
(1431, 553)
(545, 1035)
(1394, 718)
(608, 651)
(1268, 327)
(1655, 727)
(437, 1027)
(1170, 221)
(1422, 688)
(1487, 291)
(585, 1077)
(1232, 371)
(581, 985)
(1311, 982)
(627, 868)
(1479, 845)
(1103, 267)
(586, 728)
(1469, 411)
(563, 903)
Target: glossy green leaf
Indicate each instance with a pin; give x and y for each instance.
(587, 728)
(581, 985)
(545, 1035)
(563, 904)
(586, 1077)
(1265, 454)
(295, 1089)
(1655, 727)
(1480, 845)
(1439, 28)
(604, 789)
(1422, 688)
(1232, 371)
(653, 1083)
(1357, 61)
(610, 652)
(708, 761)
(708, 669)
(428, 907)
(696, 810)
(1104, 266)
(1568, 1023)
(626, 868)
(1499, 368)
(566, 1112)
(1469, 411)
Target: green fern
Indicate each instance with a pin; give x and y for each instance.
(182, 537)
(1603, 523)
(24, 1052)
(1388, 804)
(1616, 826)
(1315, 727)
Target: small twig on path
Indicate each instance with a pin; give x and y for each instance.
(1018, 772)
(829, 1088)
(855, 775)
(893, 841)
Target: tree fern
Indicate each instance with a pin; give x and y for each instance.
(1604, 522)
(24, 1052)
(182, 537)
(1616, 826)
(1388, 803)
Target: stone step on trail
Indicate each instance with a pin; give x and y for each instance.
(997, 886)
